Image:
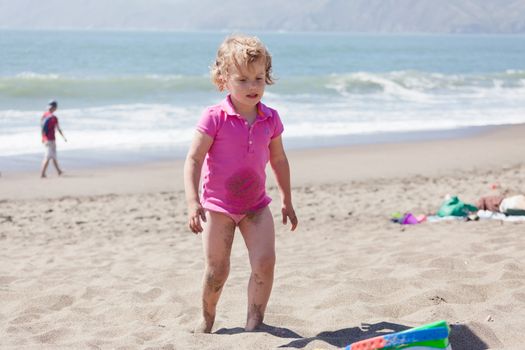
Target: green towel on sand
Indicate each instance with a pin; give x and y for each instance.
(455, 207)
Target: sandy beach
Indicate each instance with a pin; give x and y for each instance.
(102, 258)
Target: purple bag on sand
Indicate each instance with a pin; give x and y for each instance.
(409, 219)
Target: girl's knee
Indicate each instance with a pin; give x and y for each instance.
(264, 264)
(216, 275)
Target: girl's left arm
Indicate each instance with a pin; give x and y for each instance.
(281, 169)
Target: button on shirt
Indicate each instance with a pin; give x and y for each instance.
(233, 174)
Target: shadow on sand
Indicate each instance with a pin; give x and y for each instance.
(461, 337)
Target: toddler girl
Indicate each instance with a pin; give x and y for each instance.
(234, 141)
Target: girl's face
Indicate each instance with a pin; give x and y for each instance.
(246, 86)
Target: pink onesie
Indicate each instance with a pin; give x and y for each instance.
(233, 174)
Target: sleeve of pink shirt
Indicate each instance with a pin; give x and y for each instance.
(278, 124)
(209, 121)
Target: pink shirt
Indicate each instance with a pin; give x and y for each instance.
(233, 174)
(48, 123)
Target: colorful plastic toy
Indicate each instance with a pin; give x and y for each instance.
(431, 336)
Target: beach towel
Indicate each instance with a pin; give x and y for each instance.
(453, 206)
(481, 215)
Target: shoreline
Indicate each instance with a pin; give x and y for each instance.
(485, 148)
(103, 159)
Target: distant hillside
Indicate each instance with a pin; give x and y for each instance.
(393, 16)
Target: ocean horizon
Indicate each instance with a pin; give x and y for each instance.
(127, 96)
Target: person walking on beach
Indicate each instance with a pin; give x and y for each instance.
(48, 123)
(233, 143)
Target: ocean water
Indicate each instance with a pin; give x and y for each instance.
(126, 96)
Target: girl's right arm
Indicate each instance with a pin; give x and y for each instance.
(192, 172)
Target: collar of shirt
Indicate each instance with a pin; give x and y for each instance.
(263, 112)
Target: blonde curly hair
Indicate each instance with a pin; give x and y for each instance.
(239, 51)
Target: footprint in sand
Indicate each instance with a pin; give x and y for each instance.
(493, 258)
(25, 318)
(6, 280)
(513, 267)
(53, 336)
(53, 302)
(519, 297)
(62, 302)
(148, 296)
(91, 292)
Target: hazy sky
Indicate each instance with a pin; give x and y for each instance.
(450, 16)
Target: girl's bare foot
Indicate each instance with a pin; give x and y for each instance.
(206, 323)
(255, 318)
(252, 325)
(204, 326)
